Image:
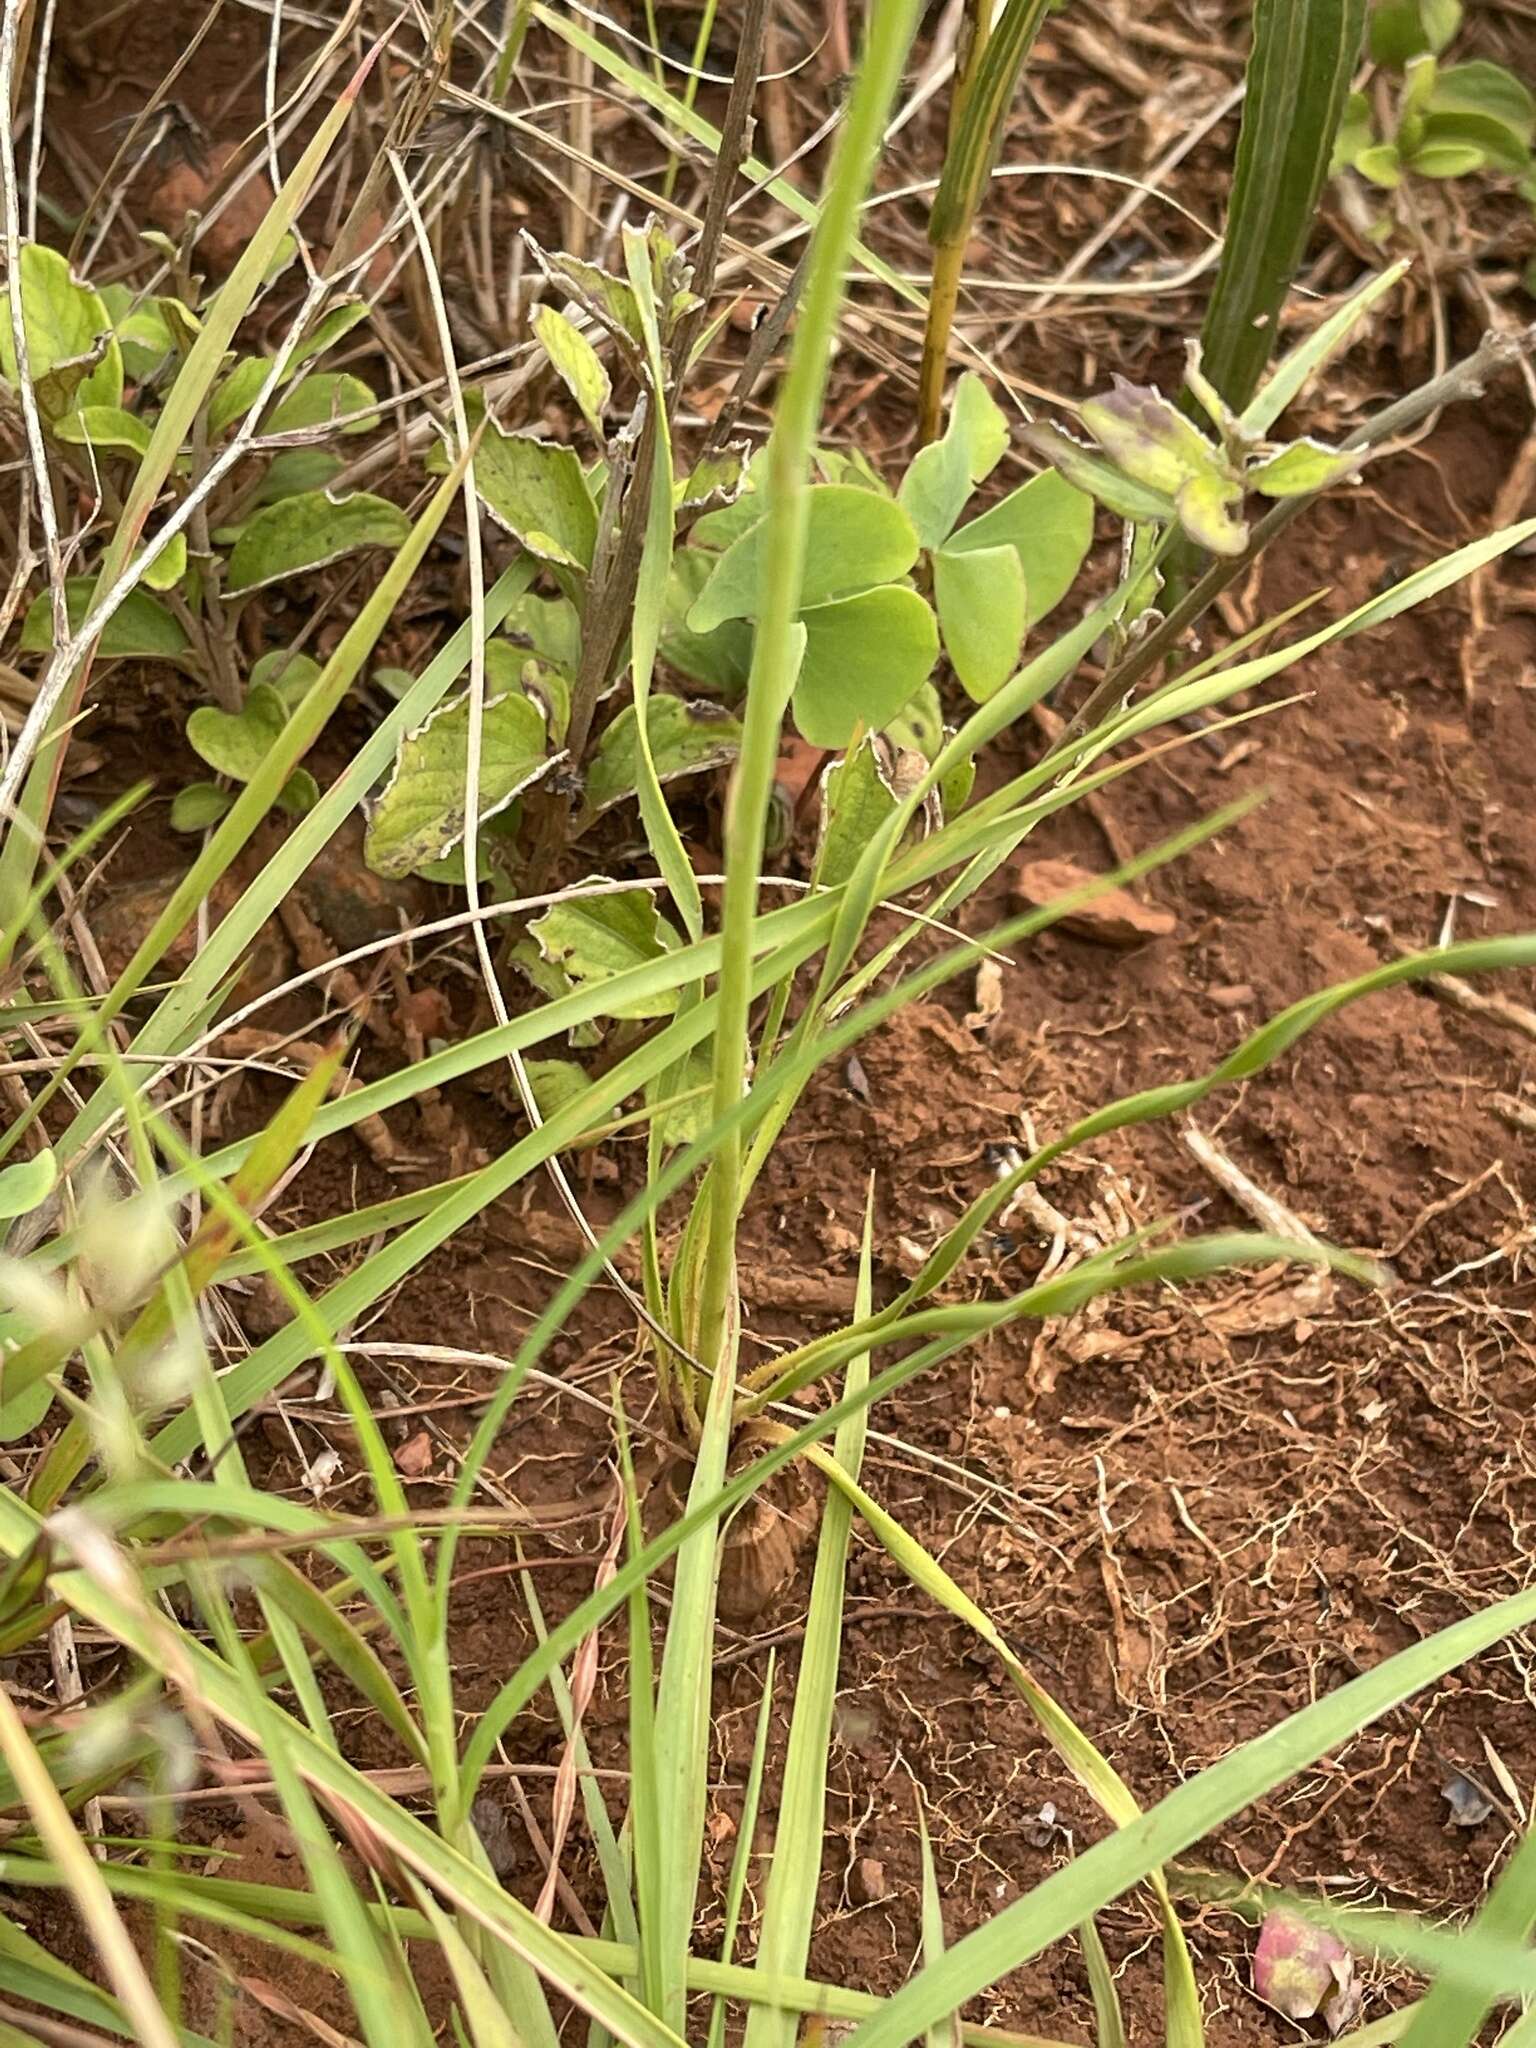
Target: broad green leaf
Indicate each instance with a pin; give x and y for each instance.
(727, 523)
(548, 625)
(169, 566)
(853, 540)
(1447, 159)
(1303, 466)
(420, 816)
(290, 674)
(235, 743)
(865, 656)
(21, 1413)
(305, 533)
(941, 477)
(144, 332)
(536, 490)
(317, 400)
(333, 325)
(1049, 524)
(140, 628)
(237, 391)
(103, 426)
(26, 1184)
(556, 1084)
(293, 472)
(72, 353)
(721, 660)
(590, 939)
(578, 363)
(686, 739)
(1087, 471)
(1300, 68)
(1401, 29)
(1382, 164)
(856, 800)
(199, 805)
(1492, 98)
(981, 603)
(1356, 134)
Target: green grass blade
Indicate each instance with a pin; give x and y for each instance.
(741, 1861)
(1451, 2014)
(1109, 2023)
(789, 1902)
(1304, 54)
(945, 2032)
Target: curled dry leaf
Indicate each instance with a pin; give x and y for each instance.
(1304, 1972)
(414, 1457)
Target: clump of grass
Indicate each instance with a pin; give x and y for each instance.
(138, 1515)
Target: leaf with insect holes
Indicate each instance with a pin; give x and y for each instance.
(686, 739)
(26, 1185)
(140, 629)
(865, 656)
(536, 490)
(1303, 466)
(577, 363)
(318, 400)
(589, 939)
(73, 355)
(853, 540)
(305, 533)
(942, 476)
(1049, 525)
(105, 427)
(1209, 512)
(1301, 1970)
(199, 805)
(981, 604)
(421, 815)
(856, 800)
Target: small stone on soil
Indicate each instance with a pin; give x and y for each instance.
(866, 1882)
(1113, 918)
